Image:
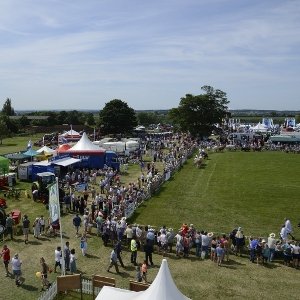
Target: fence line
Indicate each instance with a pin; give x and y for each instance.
(87, 285)
(49, 294)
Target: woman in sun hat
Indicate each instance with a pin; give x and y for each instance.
(272, 246)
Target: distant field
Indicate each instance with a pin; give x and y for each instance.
(18, 143)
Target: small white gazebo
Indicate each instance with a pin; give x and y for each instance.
(162, 288)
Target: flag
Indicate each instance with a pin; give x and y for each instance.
(62, 140)
(29, 145)
(54, 202)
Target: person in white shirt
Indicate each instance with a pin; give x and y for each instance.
(179, 245)
(288, 227)
(272, 246)
(283, 233)
(57, 257)
(16, 268)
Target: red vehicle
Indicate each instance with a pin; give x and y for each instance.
(16, 215)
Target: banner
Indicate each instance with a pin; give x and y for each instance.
(54, 202)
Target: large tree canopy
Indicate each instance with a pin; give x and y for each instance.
(198, 114)
(117, 117)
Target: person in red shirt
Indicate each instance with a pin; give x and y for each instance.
(5, 254)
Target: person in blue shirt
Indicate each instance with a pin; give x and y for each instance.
(220, 253)
(252, 247)
(77, 223)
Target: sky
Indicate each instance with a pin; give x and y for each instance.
(74, 54)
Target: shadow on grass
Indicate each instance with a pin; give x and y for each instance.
(29, 287)
(18, 240)
(43, 239)
(129, 267)
(124, 274)
(270, 266)
(91, 256)
(8, 145)
(34, 242)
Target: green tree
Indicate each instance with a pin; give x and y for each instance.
(7, 108)
(198, 114)
(117, 117)
(23, 122)
(89, 119)
(146, 118)
(4, 132)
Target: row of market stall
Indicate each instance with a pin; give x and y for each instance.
(84, 154)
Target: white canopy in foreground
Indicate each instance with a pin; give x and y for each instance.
(162, 288)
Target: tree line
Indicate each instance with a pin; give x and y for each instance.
(196, 114)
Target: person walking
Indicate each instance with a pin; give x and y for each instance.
(118, 248)
(57, 257)
(9, 223)
(5, 254)
(67, 256)
(83, 244)
(77, 223)
(44, 274)
(73, 267)
(42, 225)
(36, 228)
(16, 264)
(133, 248)
(113, 261)
(25, 225)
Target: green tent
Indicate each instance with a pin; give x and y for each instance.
(4, 165)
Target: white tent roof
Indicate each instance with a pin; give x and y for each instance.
(70, 132)
(162, 288)
(66, 161)
(260, 127)
(42, 163)
(84, 144)
(45, 149)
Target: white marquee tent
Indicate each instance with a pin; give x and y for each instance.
(46, 150)
(259, 128)
(85, 144)
(162, 288)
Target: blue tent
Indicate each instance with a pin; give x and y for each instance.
(30, 153)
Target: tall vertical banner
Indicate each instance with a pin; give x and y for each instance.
(54, 210)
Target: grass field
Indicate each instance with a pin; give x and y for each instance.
(252, 190)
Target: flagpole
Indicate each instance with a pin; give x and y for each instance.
(60, 231)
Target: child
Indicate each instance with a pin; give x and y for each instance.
(138, 276)
(220, 254)
(144, 271)
(44, 274)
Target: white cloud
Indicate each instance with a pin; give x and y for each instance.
(138, 49)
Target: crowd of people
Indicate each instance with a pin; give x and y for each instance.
(105, 204)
